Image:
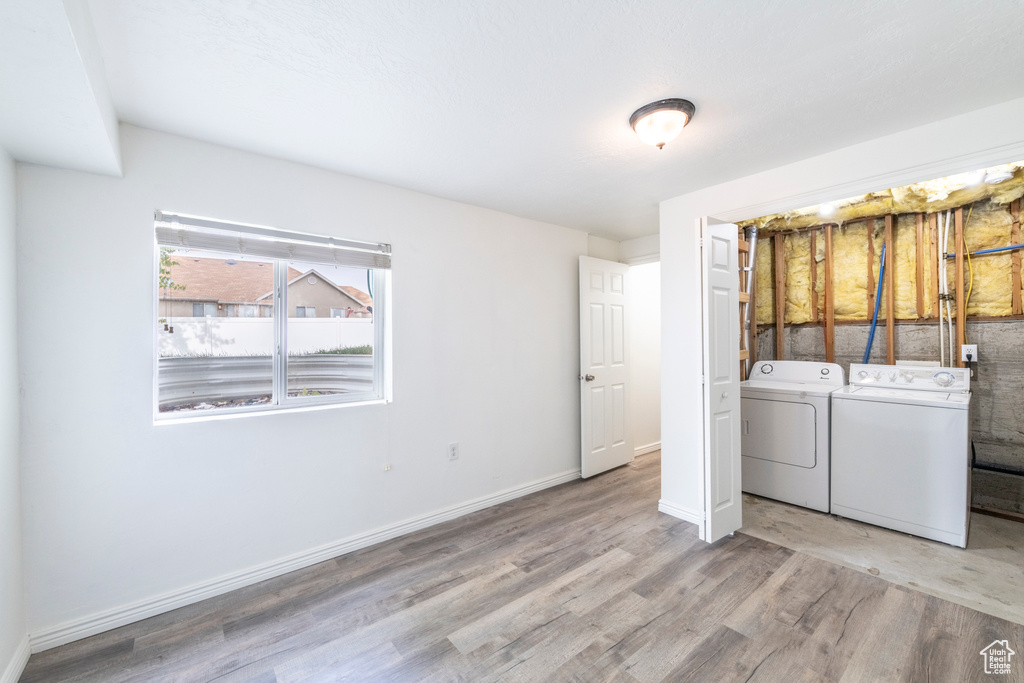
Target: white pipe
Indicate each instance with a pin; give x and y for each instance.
(940, 263)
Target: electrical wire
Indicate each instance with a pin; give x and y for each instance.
(878, 300)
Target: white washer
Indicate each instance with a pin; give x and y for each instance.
(784, 408)
(900, 450)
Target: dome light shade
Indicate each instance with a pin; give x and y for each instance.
(662, 121)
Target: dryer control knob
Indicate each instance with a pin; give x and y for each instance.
(943, 379)
(766, 369)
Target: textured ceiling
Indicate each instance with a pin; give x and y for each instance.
(522, 106)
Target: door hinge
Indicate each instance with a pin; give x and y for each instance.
(702, 380)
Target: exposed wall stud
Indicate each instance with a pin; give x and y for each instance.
(752, 291)
(780, 296)
(961, 301)
(814, 276)
(830, 323)
(933, 256)
(871, 267)
(890, 297)
(919, 258)
(1015, 257)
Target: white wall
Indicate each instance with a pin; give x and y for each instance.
(599, 247)
(121, 516)
(640, 249)
(12, 604)
(645, 355)
(971, 141)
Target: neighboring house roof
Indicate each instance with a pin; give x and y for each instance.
(236, 281)
(357, 294)
(359, 297)
(212, 279)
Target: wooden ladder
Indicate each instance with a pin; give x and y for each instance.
(746, 296)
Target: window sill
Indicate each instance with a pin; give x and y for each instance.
(209, 416)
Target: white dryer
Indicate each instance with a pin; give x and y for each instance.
(785, 412)
(900, 450)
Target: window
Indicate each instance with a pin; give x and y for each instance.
(244, 311)
(251, 355)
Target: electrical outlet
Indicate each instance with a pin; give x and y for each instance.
(969, 350)
(453, 451)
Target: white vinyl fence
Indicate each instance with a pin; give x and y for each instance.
(255, 336)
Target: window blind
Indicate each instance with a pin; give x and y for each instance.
(181, 231)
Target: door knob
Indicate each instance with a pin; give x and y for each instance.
(725, 395)
(588, 378)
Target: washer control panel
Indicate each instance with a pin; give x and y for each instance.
(914, 377)
(808, 372)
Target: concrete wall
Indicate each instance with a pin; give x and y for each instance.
(645, 354)
(978, 139)
(997, 422)
(13, 630)
(124, 518)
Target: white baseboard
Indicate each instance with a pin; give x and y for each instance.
(17, 664)
(649, 448)
(77, 629)
(682, 513)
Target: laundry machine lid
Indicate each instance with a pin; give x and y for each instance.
(903, 396)
(785, 390)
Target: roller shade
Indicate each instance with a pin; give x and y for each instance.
(181, 231)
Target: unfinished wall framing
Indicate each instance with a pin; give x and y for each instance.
(820, 280)
(795, 267)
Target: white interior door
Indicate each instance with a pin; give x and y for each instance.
(604, 366)
(723, 502)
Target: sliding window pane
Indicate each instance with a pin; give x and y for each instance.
(213, 354)
(330, 331)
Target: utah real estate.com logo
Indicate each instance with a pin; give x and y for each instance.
(997, 657)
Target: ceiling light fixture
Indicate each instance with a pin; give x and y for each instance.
(662, 121)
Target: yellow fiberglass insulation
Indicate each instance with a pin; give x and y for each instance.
(849, 271)
(904, 265)
(874, 204)
(987, 226)
(798, 278)
(958, 190)
(764, 281)
(1002, 184)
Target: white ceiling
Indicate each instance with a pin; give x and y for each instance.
(522, 106)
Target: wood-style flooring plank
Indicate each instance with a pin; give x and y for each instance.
(586, 581)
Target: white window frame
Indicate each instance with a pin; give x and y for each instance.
(381, 387)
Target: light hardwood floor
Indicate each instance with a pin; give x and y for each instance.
(583, 582)
(987, 576)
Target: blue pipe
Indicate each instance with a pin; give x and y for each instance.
(991, 251)
(878, 300)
